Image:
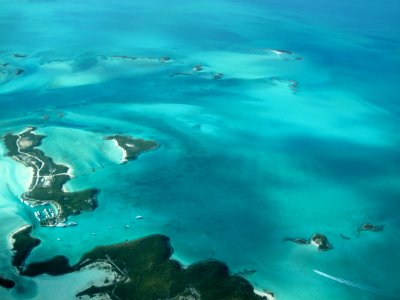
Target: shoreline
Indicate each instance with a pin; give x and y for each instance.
(70, 171)
(22, 244)
(125, 154)
(70, 174)
(132, 147)
(264, 294)
(103, 265)
(11, 240)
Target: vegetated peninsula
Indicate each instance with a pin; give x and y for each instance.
(48, 180)
(132, 147)
(144, 271)
(22, 244)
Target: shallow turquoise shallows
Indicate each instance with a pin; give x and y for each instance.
(275, 118)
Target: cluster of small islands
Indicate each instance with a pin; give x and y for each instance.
(143, 269)
(321, 241)
(11, 67)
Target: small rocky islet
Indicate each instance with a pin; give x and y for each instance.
(318, 239)
(132, 147)
(321, 241)
(370, 227)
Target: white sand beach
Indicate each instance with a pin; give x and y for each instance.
(125, 154)
(264, 294)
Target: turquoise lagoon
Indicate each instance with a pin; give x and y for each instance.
(245, 160)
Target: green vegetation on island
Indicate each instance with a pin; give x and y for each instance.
(146, 272)
(48, 180)
(321, 241)
(133, 147)
(369, 227)
(58, 265)
(318, 239)
(7, 283)
(23, 245)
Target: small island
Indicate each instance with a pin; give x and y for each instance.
(369, 227)
(58, 265)
(132, 147)
(7, 283)
(321, 241)
(144, 270)
(22, 245)
(46, 188)
(317, 239)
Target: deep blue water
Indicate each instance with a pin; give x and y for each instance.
(244, 160)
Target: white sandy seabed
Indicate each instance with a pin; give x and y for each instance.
(70, 284)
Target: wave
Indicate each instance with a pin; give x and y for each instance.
(354, 284)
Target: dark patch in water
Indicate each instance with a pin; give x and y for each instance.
(7, 283)
(300, 241)
(345, 237)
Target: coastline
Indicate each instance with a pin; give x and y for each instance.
(264, 294)
(69, 173)
(93, 277)
(11, 240)
(112, 275)
(125, 154)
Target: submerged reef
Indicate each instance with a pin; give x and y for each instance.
(48, 180)
(132, 147)
(23, 245)
(145, 271)
(9, 72)
(345, 237)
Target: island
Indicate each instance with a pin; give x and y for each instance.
(7, 283)
(369, 227)
(46, 189)
(317, 239)
(145, 271)
(22, 245)
(321, 241)
(58, 265)
(131, 146)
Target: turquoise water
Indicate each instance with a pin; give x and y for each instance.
(244, 161)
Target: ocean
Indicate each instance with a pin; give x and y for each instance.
(290, 128)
